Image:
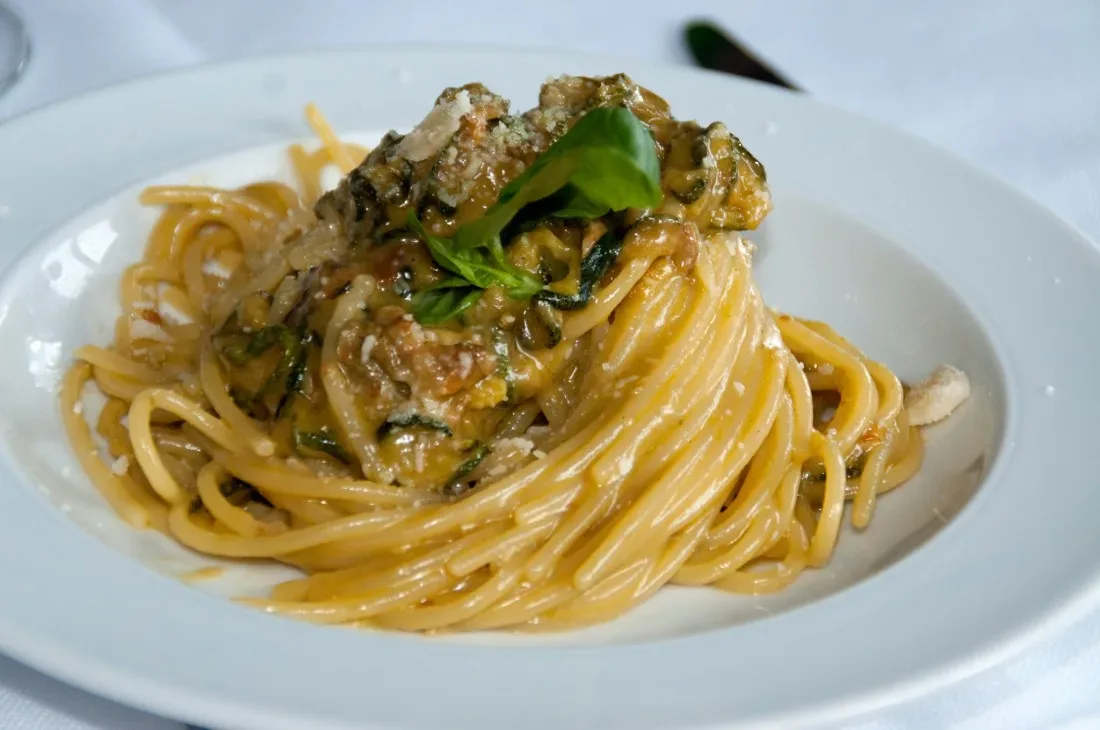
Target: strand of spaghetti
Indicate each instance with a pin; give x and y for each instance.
(217, 392)
(519, 608)
(409, 592)
(134, 277)
(236, 519)
(278, 196)
(538, 509)
(832, 506)
(145, 448)
(444, 613)
(758, 538)
(859, 401)
(677, 359)
(306, 172)
(658, 572)
(905, 467)
(367, 577)
(764, 475)
(723, 544)
(684, 396)
(500, 548)
(802, 401)
(679, 548)
(335, 148)
(891, 397)
(270, 478)
(205, 196)
(721, 394)
(653, 306)
(270, 546)
(757, 582)
(531, 605)
(874, 469)
(617, 547)
(159, 244)
(266, 279)
(747, 434)
(120, 365)
(120, 499)
(195, 220)
(604, 601)
(589, 510)
(354, 430)
(605, 301)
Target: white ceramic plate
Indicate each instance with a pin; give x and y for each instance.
(915, 256)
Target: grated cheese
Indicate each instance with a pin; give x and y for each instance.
(430, 135)
(519, 443)
(368, 346)
(141, 329)
(937, 397)
(216, 268)
(173, 315)
(121, 465)
(465, 362)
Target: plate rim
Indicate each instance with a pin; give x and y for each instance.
(1000, 648)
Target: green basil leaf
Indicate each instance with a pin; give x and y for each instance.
(482, 267)
(444, 301)
(606, 162)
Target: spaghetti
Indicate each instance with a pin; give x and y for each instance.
(322, 379)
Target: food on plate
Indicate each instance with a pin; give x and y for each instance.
(511, 372)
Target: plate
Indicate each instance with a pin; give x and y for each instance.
(912, 254)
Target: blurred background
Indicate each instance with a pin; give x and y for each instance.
(1011, 85)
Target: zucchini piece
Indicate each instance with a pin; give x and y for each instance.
(322, 441)
(593, 268)
(411, 420)
(539, 327)
(687, 186)
(455, 485)
(290, 371)
(504, 362)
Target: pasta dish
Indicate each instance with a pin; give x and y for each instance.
(512, 372)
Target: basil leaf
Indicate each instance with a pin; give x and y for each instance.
(606, 162)
(483, 267)
(445, 300)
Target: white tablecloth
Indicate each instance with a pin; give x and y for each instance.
(1011, 85)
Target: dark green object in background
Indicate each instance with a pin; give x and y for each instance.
(712, 48)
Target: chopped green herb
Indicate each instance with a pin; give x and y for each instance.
(454, 485)
(412, 420)
(445, 300)
(606, 162)
(504, 362)
(321, 441)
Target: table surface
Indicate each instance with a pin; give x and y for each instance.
(1010, 85)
